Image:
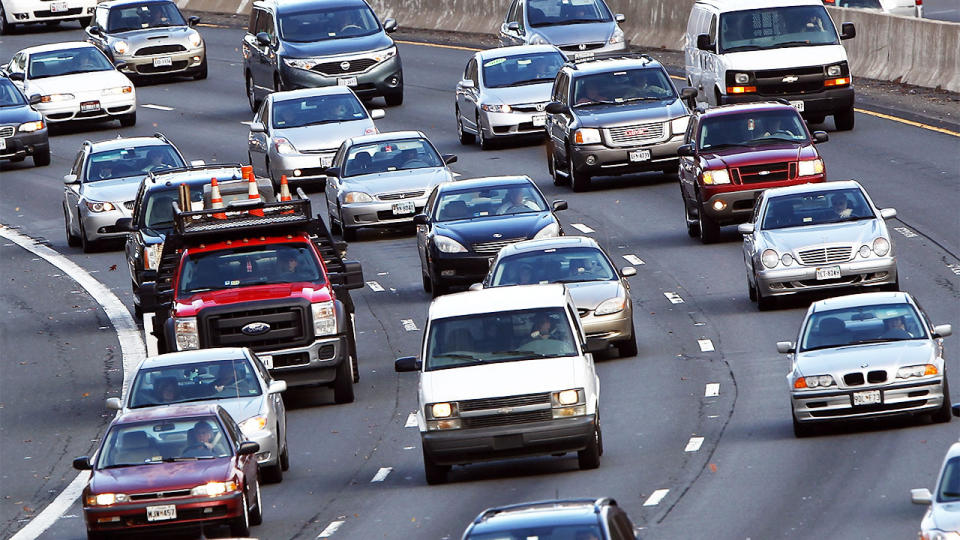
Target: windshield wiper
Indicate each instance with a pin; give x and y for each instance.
(319, 122)
(599, 102)
(179, 459)
(725, 145)
(120, 465)
(526, 82)
(743, 48)
(774, 139)
(787, 44)
(525, 352)
(575, 280)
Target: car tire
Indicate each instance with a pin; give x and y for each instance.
(765, 303)
(628, 347)
(893, 287)
(671, 170)
(800, 430)
(93, 535)
(485, 143)
(272, 474)
(844, 120)
(816, 119)
(240, 526)
(693, 225)
(256, 516)
(343, 384)
(202, 74)
(437, 288)
(465, 138)
(944, 413)
(42, 158)
(285, 454)
(709, 230)
(349, 234)
(751, 291)
(394, 99)
(427, 285)
(277, 83)
(578, 181)
(85, 21)
(137, 313)
(88, 246)
(334, 224)
(558, 180)
(54, 24)
(72, 240)
(5, 27)
(433, 473)
(251, 94)
(589, 457)
(355, 364)
(128, 120)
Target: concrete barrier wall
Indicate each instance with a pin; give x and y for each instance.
(914, 51)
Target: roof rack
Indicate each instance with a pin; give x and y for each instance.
(588, 56)
(596, 503)
(155, 175)
(253, 217)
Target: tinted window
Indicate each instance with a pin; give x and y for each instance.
(492, 201)
(816, 208)
(390, 156)
(321, 25)
(163, 440)
(67, 62)
(543, 532)
(10, 96)
(197, 381)
(565, 265)
(852, 326)
(866, 4)
(313, 110)
(124, 162)
(252, 24)
(949, 490)
(156, 209)
(244, 267)
(622, 87)
(522, 70)
(794, 26)
(753, 128)
(559, 12)
(150, 15)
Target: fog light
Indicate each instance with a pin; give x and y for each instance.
(196, 59)
(90, 9)
(393, 81)
(719, 205)
(21, 16)
(447, 273)
(297, 172)
(591, 160)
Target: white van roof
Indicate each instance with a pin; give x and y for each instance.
(742, 5)
(499, 299)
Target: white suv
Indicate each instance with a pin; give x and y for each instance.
(505, 372)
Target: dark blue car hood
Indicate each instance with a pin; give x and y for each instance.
(477, 230)
(336, 46)
(18, 115)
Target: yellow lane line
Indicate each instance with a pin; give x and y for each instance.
(909, 122)
(441, 46)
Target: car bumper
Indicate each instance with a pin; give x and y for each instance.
(380, 213)
(110, 107)
(103, 225)
(816, 103)
(461, 268)
(484, 444)
(382, 79)
(191, 512)
(736, 205)
(602, 160)
(610, 328)
(906, 398)
(311, 365)
(872, 272)
(269, 452)
(18, 12)
(513, 124)
(189, 61)
(301, 167)
(22, 145)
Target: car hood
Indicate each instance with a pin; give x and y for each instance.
(18, 115)
(519, 95)
(323, 136)
(240, 408)
(574, 34)
(783, 58)
(496, 380)
(626, 114)
(190, 305)
(115, 190)
(78, 82)
(589, 294)
(476, 230)
(755, 155)
(161, 476)
(388, 182)
(336, 47)
(946, 516)
(888, 355)
(150, 37)
(857, 233)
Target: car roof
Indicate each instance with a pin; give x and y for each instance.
(861, 299)
(740, 108)
(194, 357)
(167, 412)
(739, 5)
(555, 242)
(611, 62)
(127, 142)
(499, 299)
(812, 188)
(385, 136)
(119, 3)
(500, 52)
(486, 181)
(309, 92)
(559, 512)
(57, 46)
(298, 5)
(192, 176)
(953, 451)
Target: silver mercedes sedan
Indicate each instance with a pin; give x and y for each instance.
(383, 180)
(233, 378)
(863, 356)
(817, 236)
(503, 93)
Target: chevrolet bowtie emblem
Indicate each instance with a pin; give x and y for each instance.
(790, 79)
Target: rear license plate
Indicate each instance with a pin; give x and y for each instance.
(539, 120)
(870, 397)
(798, 105)
(88, 106)
(830, 272)
(640, 155)
(58, 7)
(163, 61)
(347, 81)
(162, 513)
(404, 208)
(267, 360)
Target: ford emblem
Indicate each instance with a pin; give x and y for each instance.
(345, 66)
(255, 328)
(790, 79)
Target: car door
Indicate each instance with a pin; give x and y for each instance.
(99, 40)
(751, 242)
(332, 187)
(467, 97)
(688, 164)
(710, 73)
(71, 192)
(510, 37)
(133, 247)
(557, 124)
(276, 402)
(258, 142)
(423, 231)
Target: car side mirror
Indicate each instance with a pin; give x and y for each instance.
(377, 114)
(689, 96)
(685, 150)
(620, 17)
(69, 179)
(704, 43)
(36, 99)
(848, 31)
(421, 219)
(82, 463)
(16, 76)
(120, 65)
(193, 20)
(407, 363)
(276, 387)
(263, 38)
(513, 26)
(559, 205)
(449, 158)
(745, 228)
(352, 275)
(628, 271)
(595, 345)
(956, 409)
(820, 137)
(114, 404)
(888, 213)
(555, 107)
(942, 330)
(921, 496)
(248, 447)
(124, 224)
(95, 29)
(475, 287)
(467, 84)
(257, 127)
(785, 347)
(333, 171)
(197, 163)
(390, 25)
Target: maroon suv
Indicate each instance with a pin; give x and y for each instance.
(734, 152)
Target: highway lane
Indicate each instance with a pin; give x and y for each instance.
(651, 404)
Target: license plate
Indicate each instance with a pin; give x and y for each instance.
(163, 61)
(640, 155)
(798, 105)
(830, 272)
(3, 144)
(347, 81)
(267, 360)
(404, 208)
(582, 56)
(325, 161)
(58, 7)
(88, 106)
(162, 513)
(870, 397)
(540, 120)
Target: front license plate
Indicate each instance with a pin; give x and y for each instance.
(58, 7)
(162, 513)
(325, 161)
(267, 360)
(582, 56)
(404, 208)
(870, 397)
(830, 272)
(640, 155)
(347, 81)
(163, 61)
(798, 105)
(88, 106)
(539, 120)
(3, 144)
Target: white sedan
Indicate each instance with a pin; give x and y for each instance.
(75, 81)
(942, 520)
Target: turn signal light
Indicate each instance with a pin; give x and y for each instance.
(741, 89)
(842, 81)
(801, 382)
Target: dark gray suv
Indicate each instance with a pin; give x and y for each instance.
(574, 519)
(295, 44)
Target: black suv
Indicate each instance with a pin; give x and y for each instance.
(601, 519)
(22, 129)
(310, 43)
(614, 114)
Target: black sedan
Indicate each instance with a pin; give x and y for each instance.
(22, 129)
(465, 223)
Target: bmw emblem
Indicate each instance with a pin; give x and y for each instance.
(255, 328)
(345, 66)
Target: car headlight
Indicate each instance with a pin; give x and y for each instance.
(611, 305)
(741, 78)
(385, 54)
(213, 489)
(28, 127)
(443, 415)
(566, 403)
(922, 370)
(185, 330)
(253, 424)
(881, 246)
(106, 499)
(786, 259)
(116, 91)
(195, 39)
(678, 126)
(53, 98)
(810, 167)
(537, 39)
(496, 107)
(834, 70)
(617, 37)
(814, 381)
(301, 63)
(549, 231)
(151, 256)
(448, 245)
(121, 47)
(98, 206)
(770, 258)
(357, 197)
(718, 176)
(324, 319)
(586, 136)
(284, 146)
(441, 410)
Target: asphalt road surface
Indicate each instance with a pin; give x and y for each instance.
(750, 478)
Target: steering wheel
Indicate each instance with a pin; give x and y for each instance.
(349, 26)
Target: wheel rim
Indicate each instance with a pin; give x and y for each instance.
(480, 136)
(246, 511)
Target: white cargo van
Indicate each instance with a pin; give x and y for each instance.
(748, 50)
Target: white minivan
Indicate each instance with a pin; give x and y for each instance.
(750, 50)
(505, 372)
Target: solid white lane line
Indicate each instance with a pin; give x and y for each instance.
(408, 325)
(376, 287)
(705, 345)
(131, 349)
(381, 474)
(331, 528)
(633, 259)
(694, 444)
(582, 228)
(411, 420)
(905, 231)
(655, 497)
(712, 390)
(157, 107)
(673, 297)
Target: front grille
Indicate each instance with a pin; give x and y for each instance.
(290, 326)
(529, 107)
(809, 79)
(853, 379)
(499, 403)
(768, 172)
(877, 376)
(640, 133)
(494, 247)
(398, 196)
(129, 204)
(861, 409)
(287, 360)
(159, 495)
(826, 255)
(159, 49)
(337, 67)
(508, 419)
(6, 131)
(586, 47)
(48, 13)
(150, 68)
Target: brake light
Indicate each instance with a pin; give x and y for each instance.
(741, 89)
(842, 81)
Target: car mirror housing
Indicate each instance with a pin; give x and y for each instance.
(745, 228)
(114, 404)
(390, 25)
(689, 95)
(848, 31)
(36, 99)
(16, 76)
(377, 114)
(942, 330)
(555, 107)
(277, 386)
(421, 219)
(560, 205)
(956, 409)
(820, 137)
(888, 213)
(475, 287)
(193, 20)
(247, 448)
(704, 43)
(407, 363)
(257, 127)
(82, 463)
(467, 83)
(628, 271)
(69, 179)
(620, 17)
(263, 38)
(785, 347)
(449, 158)
(685, 150)
(333, 171)
(513, 26)
(921, 496)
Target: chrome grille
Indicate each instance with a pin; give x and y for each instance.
(337, 66)
(825, 255)
(498, 403)
(401, 195)
(494, 247)
(159, 495)
(529, 107)
(586, 47)
(6, 131)
(626, 135)
(508, 419)
(159, 49)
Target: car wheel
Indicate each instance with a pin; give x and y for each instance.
(485, 143)
(589, 457)
(394, 99)
(251, 94)
(86, 245)
(434, 474)
(578, 181)
(465, 138)
(42, 158)
(343, 384)
(558, 180)
(5, 27)
(803, 430)
(349, 234)
(437, 288)
(285, 454)
(893, 287)
(85, 21)
(693, 225)
(844, 120)
(256, 516)
(128, 120)
(240, 526)
(944, 413)
(334, 224)
(765, 303)
(93, 535)
(816, 119)
(272, 474)
(202, 74)
(671, 170)
(628, 347)
(137, 313)
(72, 239)
(355, 366)
(427, 285)
(751, 291)
(709, 230)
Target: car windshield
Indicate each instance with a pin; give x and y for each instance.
(196, 381)
(248, 266)
(10, 96)
(618, 87)
(139, 16)
(859, 325)
(315, 110)
(325, 24)
(949, 490)
(522, 70)
(160, 441)
(489, 201)
(386, 156)
(816, 208)
(772, 28)
(503, 336)
(67, 62)
(752, 128)
(133, 161)
(560, 12)
(563, 265)
(864, 4)
(157, 206)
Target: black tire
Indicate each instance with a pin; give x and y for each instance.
(801, 431)
(251, 93)
(844, 120)
(433, 473)
(893, 287)
(334, 225)
(751, 291)
(95, 535)
(42, 158)
(465, 138)
(578, 181)
(343, 384)
(427, 285)
(285, 455)
(671, 170)
(88, 246)
(589, 457)
(72, 240)
(272, 474)
(256, 516)
(6, 28)
(240, 526)
(765, 303)
(437, 288)
(202, 74)
(944, 413)
(56, 23)
(128, 120)
(552, 165)
(85, 21)
(349, 234)
(355, 366)
(693, 225)
(137, 313)
(816, 119)
(709, 230)
(628, 347)
(485, 143)
(394, 99)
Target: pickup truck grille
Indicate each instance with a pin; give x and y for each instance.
(159, 49)
(806, 80)
(768, 172)
(636, 134)
(827, 255)
(290, 325)
(498, 403)
(491, 248)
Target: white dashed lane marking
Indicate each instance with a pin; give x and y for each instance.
(411, 420)
(673, 297)
(705, 345)
(408, 325)
(905, 231)
(712, 390)
(381, 474)
(157, 107)
(582, 228)
(694, 444)
(633, 259)
(376, 287)
(655, 497)
(331, 528)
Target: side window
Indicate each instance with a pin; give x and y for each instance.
(520, 18)
(138, 204)
(428, 207)
(265, 24)
(101, 17)
(264, 374)
(252, 25)
(512, 12)
(574, 316)
(78, 165)
(473, 70)
(563, 87)
(713, 28)
(232, 428)
(691, 130)
(265, 113)
(756, 210)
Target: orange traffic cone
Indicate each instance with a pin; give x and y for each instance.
(253, 193)
(216, 201)
(285, 192)
(246, 171)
